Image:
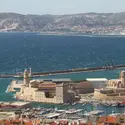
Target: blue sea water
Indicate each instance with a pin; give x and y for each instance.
(49, 53)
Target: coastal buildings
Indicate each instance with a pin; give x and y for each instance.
(67, 91)
(98, 82)
(115, 89)
(83, 87)
(17, 104)
(53, 90)
(45, 91)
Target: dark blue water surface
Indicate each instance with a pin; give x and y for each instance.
(47, 53)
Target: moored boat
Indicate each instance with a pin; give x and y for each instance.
(72, 111)
(84, 104)
(74, 103)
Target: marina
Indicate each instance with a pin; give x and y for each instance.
(56, 115)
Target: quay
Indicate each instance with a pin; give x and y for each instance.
(75, 70)
(43, 116)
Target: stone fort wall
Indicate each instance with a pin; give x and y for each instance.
(101, 96)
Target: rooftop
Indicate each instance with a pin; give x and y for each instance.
(7, 122)
(55, 80)
(96, 79)
(115, 80)
(62, 80)
(108, 119)
(84, 85)
(17, 103)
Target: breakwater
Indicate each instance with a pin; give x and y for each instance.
(76, 70)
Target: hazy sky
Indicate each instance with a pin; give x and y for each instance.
(61, 6)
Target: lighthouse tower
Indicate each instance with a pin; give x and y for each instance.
(26, 77)
(123, 78)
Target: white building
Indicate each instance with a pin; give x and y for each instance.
(98, 82)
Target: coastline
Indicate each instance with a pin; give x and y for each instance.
(66, 34)
(107, 74)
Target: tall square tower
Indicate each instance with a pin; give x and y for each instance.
(62, 93)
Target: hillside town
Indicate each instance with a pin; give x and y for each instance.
(79, 24)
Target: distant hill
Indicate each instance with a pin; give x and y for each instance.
(86, 23)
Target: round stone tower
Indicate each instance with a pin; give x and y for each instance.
(26, 77)
(122, 74)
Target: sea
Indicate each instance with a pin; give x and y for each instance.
(19, 51)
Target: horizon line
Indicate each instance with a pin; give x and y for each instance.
(63, 14)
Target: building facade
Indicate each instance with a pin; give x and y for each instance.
(45, 91)
(115, 89)
(98, 83)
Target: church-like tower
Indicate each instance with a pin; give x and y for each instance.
(30, 72)
(26, 77)
(122, 74)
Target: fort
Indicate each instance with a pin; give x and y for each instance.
(49, 90)
(65, 90)
(44, 91)
(115, 89)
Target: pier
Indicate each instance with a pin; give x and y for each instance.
(75, 70)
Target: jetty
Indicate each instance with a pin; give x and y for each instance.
(75, 70)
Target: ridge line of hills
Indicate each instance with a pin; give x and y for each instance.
(83, 23)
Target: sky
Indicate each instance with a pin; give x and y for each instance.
(57, 7)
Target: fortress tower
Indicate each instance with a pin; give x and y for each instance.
(122, 74)
(62, 93)
(26, 77)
